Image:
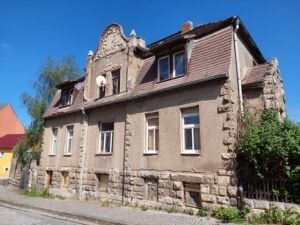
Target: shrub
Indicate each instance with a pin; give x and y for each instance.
(274, 215)
(144, 208)
(189, 211)
(105, 203)
(172, 209)
(202, 212)
(34, 192)
(229, 215)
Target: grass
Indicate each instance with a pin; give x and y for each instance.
(172, 209)
(144, 208)
(105, 203)
(44, 193)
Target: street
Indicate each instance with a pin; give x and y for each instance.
(11, 216)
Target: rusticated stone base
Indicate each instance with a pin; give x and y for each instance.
(157, 189)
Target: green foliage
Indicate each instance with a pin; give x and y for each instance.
(172, 209)
(105, 203)
(270, 147)
(189, 211)
(229, 215)
(34, 192)
(51, 73)
(274, 215)
(144, 208)
(202, 212)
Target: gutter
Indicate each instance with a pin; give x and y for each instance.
(86, 123)
(238, 67)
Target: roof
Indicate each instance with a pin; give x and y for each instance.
(255, 75)
(210, 59)
(2, 106)
(67, 83)
(10, 140)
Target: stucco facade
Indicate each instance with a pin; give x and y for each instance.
(141, 138)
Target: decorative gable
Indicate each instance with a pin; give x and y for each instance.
(112, 40)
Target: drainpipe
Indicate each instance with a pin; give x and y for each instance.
(86, 122)
(236, 53)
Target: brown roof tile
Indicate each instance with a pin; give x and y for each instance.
(255, 74)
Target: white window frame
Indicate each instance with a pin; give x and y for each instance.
(174, 70)
(158, 70)
(111, 132)
(54, 139)
(154, 128)
(69, 140)
(184, 126)
(1, 154)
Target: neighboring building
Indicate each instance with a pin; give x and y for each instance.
(11, 131)
(157, 125)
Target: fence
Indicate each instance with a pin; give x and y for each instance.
(280, 190)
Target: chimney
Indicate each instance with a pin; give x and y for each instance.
(187, 26)
(141, 42)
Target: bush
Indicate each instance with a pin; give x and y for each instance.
(105, 203)
(202, 212)
(34, 192)
(172, 209)
(144, 208)
(229, 215)
(189, 211)
(274, 215)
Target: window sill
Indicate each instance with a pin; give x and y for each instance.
(64, 106)
(103, 154)
(67, 154)
(51, 155)
(171, 78)
(190, 153)
(151, 153)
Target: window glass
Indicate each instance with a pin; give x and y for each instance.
(191, 131)
(70, 130)
(191, 119)
(163, 68)
(106, 138)
(179, 64)
(67, 97)
(54, 141)
(152, 133)
(116, 81)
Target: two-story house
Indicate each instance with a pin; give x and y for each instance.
(156, 125)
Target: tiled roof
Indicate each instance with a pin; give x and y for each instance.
(10, 140)
(2, 106)
(255, 74)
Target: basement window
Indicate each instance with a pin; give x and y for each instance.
(102, 182)
(65, 178)
(151, 189)
(192, 195)
(49, 177)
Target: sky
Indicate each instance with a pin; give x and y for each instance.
(32, 30)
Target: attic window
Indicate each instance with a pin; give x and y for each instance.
(67, 97)
(116, 81)
(171, 65)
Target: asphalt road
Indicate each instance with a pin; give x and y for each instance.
(12, 216)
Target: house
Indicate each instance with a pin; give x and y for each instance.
(156, 125)
(11, 131)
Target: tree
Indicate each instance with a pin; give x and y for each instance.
(51, 73)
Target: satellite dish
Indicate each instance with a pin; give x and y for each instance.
(100, 81)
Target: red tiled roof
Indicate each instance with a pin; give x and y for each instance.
(10, 140)
(255, 74)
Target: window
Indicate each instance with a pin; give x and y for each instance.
(163, 68)
(53, 148)
(65, 178)
(102, 182)
(1, 154)
(178, 64)
(67, 97)
(70, 131)
(116, 81)
(192, 195)
(151, 189)
(191, 131)
(106, 138)
(6, 168)
(152, 134)
(101, 92)
(49, 177)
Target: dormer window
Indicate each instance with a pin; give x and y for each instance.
(116, 81)
(67, 97)
(174, 62)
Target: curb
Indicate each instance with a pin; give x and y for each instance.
(81, 219)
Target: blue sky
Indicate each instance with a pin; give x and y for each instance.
(32, 30)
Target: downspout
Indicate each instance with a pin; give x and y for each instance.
(237, 60)
(86, 122)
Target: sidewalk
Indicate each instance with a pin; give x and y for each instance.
(94, 213)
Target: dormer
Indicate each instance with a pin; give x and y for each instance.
(69, 91)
